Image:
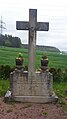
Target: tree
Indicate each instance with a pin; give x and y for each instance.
(10, 41)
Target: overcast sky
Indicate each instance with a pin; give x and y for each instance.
(52, 11)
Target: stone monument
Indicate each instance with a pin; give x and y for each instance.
(32, 86)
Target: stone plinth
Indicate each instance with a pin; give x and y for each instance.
(37, 88)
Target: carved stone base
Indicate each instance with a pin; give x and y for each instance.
(37, 88)
(36, 99)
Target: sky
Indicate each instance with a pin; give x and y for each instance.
(52, 11)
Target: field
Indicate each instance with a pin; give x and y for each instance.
(8, 55)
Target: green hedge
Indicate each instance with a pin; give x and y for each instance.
(5, 71)
(59, 75)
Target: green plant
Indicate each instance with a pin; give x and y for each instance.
(44, 57)
(5, 71)
(20, 55)
(60, 88)
(59, 75)
(4, 86)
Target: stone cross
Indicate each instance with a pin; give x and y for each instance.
(32, 26)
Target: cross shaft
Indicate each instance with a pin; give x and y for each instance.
(32, 26)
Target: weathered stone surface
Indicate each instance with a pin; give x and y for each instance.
(38, 89)
(32, 26)
(36, 99)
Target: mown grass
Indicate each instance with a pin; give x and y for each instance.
(55, 59)
(8, 55)
(4, 86)
(60, 89)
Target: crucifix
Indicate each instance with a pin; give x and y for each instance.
(32, 26)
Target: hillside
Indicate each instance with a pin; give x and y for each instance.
(8, 55)
(10, 41)
(43, 48)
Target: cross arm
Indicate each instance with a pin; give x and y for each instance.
(22, 25)
(42, 26)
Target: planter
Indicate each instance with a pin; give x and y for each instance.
(44, 62)
(19, 62)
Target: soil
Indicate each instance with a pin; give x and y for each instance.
(14, 110)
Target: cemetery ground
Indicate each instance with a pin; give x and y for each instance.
(14, 110)
(17, 110)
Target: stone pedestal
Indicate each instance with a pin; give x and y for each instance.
(38, 88)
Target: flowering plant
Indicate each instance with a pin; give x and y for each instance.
(19, 59)
(45, 57)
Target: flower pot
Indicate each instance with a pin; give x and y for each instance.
(19, 62)
(44, 62)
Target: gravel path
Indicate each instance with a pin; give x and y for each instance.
(31, 111)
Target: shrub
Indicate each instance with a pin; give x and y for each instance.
(59, 75)
(5, 71)
(26, 68)
(65, 75)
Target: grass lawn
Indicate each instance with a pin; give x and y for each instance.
(8, 55)
(60, 89)
(4, 86)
